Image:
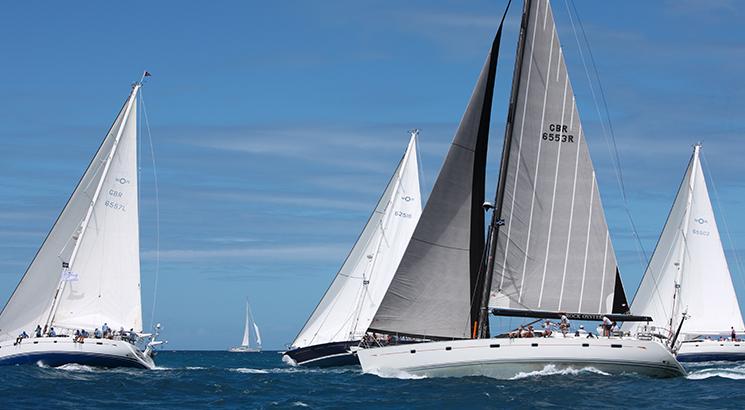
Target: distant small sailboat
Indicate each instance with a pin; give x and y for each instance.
(688, 276)
(245, 346)
(85, 279)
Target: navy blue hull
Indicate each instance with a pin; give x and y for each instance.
(711, 357)
(326, 355)
(54, 359)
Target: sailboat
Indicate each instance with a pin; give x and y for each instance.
(688, 276)
(245, 346)
(343, 315)
(547, 252)
(85, 278)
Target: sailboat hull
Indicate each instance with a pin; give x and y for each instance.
(59, 351)
(324, 355)
(711, 350)
(244, 349)
(505, 358)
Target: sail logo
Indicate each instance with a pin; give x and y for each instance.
(701, 221)
(69, 276)
(407, 198)
(122, 180)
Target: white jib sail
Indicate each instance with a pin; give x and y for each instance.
(350, 303)
(688, 271)
(258, 334)
(98, 289)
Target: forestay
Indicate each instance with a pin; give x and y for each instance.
(31, 302)
(348, 307)
(554, 252)
(689, 253)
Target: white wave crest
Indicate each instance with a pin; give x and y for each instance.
(74, 367)
(736, 373)
(395, 374)
(552, 370)
(249, 370)
(288, 360)
(299, 404)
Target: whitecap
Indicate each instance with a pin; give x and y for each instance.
(726, 373)
(395, 374)
(299, 404)
(74, 367)
(552, 370)
(249, 370)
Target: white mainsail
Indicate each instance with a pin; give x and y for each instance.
(97, 235)
(348, 307)
(246, 339)
(688, 271)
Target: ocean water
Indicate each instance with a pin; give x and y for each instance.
(261, 380)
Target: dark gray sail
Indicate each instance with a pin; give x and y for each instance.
(431, 293)
(554, 252)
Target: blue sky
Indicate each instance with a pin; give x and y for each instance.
(277, 124)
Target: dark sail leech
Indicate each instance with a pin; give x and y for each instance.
(437, 285)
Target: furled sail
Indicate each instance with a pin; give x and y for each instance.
(431, 293)
(31, 302)
(106, 268)
(348, 307)
(688, 271)
(554, 252)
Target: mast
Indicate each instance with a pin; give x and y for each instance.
(94, 199)
(683, 245)
(496, 219)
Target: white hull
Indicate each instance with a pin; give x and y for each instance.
(711, 350)
(58, 351)
(244, 349)
(505, 358)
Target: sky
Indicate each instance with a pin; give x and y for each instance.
(276, 126)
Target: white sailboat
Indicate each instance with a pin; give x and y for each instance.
(245, 346)
(343, 315)
(86, 275)
(548, 251)
(688, 275)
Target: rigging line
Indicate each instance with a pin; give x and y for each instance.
(738, 263)
(157, 209)
(610, 141)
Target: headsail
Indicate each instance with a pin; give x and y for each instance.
(431, 293)
(348, 307)
(258, 335)
(554, 251)
(689, 258)
(119, 304)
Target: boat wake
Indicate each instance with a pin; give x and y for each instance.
(552, 370)
(293, 370)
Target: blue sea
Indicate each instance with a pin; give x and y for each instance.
(196, 379)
